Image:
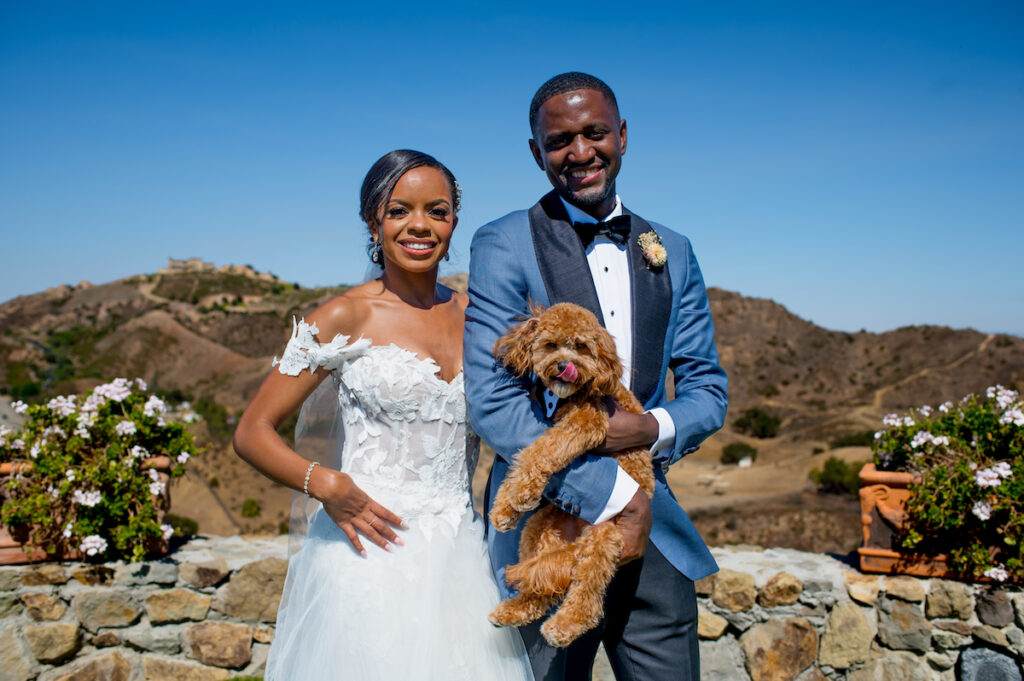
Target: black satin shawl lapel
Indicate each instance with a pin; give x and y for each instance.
(652, 307)
(560, 257)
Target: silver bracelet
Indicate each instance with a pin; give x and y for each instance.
(305, 483)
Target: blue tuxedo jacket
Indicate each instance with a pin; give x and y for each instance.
(536, 256)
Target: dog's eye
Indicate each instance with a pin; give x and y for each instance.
(551, 346)
(581, 346)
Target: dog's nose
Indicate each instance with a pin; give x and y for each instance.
(562, 366)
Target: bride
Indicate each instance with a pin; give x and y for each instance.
(392, 581)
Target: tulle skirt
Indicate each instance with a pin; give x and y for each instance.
(416, 613)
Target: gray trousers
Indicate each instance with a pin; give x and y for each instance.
(649, 629)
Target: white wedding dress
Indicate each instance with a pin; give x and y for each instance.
(420, 611)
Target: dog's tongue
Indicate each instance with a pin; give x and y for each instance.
(569, 375)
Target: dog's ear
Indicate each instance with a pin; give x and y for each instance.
(514, 349)
(608, 362)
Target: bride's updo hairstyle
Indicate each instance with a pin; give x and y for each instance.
(380, 182)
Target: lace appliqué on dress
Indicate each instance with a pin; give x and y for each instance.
(304, 352)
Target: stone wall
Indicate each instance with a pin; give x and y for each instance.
(206, 612)
(779, 614)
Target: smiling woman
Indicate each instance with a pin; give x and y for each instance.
(392, 581)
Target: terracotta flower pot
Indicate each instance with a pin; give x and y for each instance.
(883, 507)
(13, 539)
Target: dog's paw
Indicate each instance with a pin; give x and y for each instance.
(510, 614)
(504, 519)
(560, 634)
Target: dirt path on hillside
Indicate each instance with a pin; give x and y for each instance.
(880, 393)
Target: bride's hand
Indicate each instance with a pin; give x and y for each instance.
(352, 509)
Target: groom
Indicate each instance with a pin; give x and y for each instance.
(580, 244)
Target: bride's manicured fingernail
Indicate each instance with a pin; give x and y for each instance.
(404, 525)
(362, 553)
(387, 547)
(398, 540)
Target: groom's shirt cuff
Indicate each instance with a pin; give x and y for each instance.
(666, 430)
(625, 488)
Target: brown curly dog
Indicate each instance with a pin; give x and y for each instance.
(571, 354)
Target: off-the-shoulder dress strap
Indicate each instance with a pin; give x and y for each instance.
(304, 352)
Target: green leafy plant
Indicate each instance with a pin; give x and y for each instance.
(758, 423)
(837, 477)
(250, 508)
(734, 452)
(96, 479)
(968, 498)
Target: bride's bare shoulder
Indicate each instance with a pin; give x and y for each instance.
(346, 314)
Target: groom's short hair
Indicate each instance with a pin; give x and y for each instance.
(568, 82)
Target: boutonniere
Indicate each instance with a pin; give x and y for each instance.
(654, 253)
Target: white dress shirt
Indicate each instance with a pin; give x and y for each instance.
(609, 268)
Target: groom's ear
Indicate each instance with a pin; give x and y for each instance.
(535, 150)
(515, 348)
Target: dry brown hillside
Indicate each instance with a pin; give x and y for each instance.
(207, 335)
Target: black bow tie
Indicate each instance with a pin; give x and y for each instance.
(616, 229)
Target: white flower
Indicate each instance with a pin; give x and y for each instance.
(982, 509)
(82, 433)
(89, 499)
(93, 402)
(157, 488)
(4, 432)
(70, 474)
(184, 457)
(125, 428)
(93, 544)
(167, 530)
(990, 391)
(941, 440)
(891, 420)
(18, 444)
(141, 384)
(161, 422)
(994, 475)
(945, 407)
(154, 405)
(190, 417)
(19, 407)
(879, 434)
(115, 391)
(925, 410)
(997, 574)
(53, 492)
(35, 451)
(138, 452)
(67, 531)
(1005, 397)
(907, 421)
(54, 430)
(63, 404)
(153, 475)
(1014, 415)
(923, 437)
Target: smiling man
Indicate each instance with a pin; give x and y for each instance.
(579, 244)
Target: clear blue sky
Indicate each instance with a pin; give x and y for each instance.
(861, 163)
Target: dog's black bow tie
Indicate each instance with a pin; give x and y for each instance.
(616, 229)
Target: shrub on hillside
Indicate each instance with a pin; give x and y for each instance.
(758, 423)
(837, 477)
(735, 452)
(863, 439)
(250, 508)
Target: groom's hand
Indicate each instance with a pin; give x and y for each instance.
(627, 430)
(635, 524)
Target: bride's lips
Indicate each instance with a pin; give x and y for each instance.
(418, 246)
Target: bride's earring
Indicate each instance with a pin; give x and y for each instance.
(447, 256)
(376, 256)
